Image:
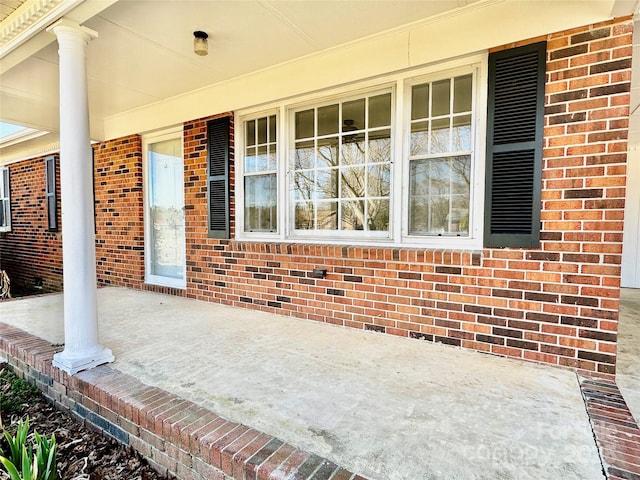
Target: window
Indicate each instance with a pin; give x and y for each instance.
(260, 175)
(389, 163)
(52, 199)
(341, 166)
(440, 157)
(5, 200)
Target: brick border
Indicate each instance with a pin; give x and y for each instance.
(175, 435)
(614, 429)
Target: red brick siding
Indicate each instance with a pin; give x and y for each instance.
(119, 212)
(29, 250)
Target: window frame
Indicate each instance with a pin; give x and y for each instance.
(400, 85)
(349, 235)
(241, 145)
(474, 239)
(5, 201)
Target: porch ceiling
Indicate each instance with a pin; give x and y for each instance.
(144, 53)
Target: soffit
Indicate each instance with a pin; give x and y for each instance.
(7, 7)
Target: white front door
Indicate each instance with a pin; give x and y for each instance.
(164, 215)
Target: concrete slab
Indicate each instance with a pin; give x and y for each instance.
(385, 407)
(628, 368)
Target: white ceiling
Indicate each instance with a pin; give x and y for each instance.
(144, 52)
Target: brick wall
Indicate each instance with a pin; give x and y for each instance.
(29, 250)
(119, 212)
(557, 304)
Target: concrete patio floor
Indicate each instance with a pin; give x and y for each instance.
(384, 407)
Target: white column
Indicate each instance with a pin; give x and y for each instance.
(81, 349)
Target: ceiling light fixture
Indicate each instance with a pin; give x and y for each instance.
(200, 43)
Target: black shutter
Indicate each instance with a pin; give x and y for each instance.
(515, 125)
(52, 198)
(218, 176)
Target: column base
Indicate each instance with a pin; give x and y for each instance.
(74, 364)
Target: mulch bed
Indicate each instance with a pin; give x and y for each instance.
(83, 453)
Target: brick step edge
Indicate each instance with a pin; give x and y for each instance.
(175, 435)
(614, 428)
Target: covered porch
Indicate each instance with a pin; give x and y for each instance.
(333, 402)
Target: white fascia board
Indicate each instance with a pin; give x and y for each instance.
(475, 28)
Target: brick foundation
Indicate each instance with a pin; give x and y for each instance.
(557, 304)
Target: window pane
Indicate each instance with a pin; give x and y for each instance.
(250, 133)
(303, 185)
(2, 213)
(166, 209)
(353, 149)
(462, 94)
(327, 215)
(272, 129)
(327, 183)
(380, 146)
(379, 180)
(420, 101)
(304, 124)
(260, 201)
(304, 216)
(352, 217)
(353, 115)
(304, 156)
(272, 161)
(441, 100)
(439, 196)
(440, 135)
(327, 152)
(262, 159)
(378, 214)
(352, 182)
(419, 139)
(461, 134)
(328, 120)
(262, 130)
(380, 111)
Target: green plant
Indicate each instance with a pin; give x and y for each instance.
(46, 457)
(15, 393)
(20, 466)
(18, 443)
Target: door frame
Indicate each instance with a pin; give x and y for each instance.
(166, 134)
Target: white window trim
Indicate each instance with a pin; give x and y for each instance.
(3, 199)
(240, 146)
(169, 134)
(400, 84)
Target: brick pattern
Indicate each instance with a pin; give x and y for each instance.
(119, 204)
(557, 304)
(176, 436)
(29, 250)
(615, 430)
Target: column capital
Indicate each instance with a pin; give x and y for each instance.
(68, 26)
